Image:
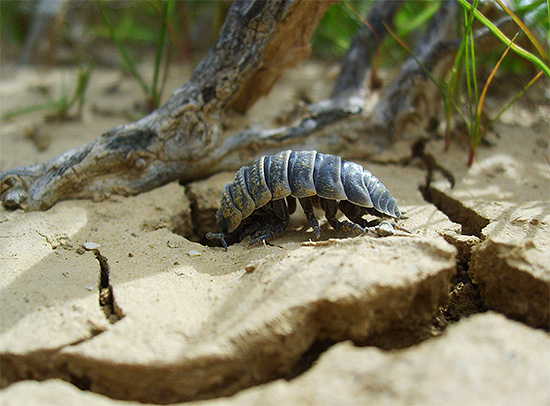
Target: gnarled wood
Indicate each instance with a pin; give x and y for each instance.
(183, 139)
(173, 142)
(289, 46)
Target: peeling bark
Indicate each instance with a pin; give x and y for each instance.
(288, 48)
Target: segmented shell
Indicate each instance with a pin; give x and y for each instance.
(301, 174)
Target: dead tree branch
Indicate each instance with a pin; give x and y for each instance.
(177, 140)
(358, 58)
(183, 139)
(408, 93)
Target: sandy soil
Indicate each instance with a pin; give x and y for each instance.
(188, 322)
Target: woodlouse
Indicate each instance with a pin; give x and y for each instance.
(261, 198)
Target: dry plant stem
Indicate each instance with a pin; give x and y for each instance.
(183, 139)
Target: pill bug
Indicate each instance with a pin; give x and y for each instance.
(263, 195)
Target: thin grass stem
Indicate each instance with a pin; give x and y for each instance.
(500, 35)
(516, 97)
(126, 58)
(155, 88)
(525, 30)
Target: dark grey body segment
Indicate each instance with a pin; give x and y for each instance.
(301, 165)
(264, 191)
(276, 166)
(327, 177)
(352, 178)
(257, 183)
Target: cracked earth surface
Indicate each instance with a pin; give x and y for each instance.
(461, 308)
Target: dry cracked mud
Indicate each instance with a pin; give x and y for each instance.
(151, 315)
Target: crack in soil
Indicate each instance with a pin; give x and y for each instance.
(202, 220)
(472, 223)
(39, 365)
(464, 296)
(308, 358)
(107, 300)
(53, 363)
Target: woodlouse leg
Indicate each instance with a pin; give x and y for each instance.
(291, 203)
(269, 231)
(378, 227)
(307, 206)
(249, 230)
(217, 237)
(282, 218)
(331, 208)
(354, 213)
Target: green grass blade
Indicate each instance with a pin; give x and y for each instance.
(500, 35)
(516, 97)
(63, 101)
(83, 79)
(52, 105)
(469, 65)
(155, 88)
(127, 60)
(452, 87)
(475, 140)
(524, 29)
(416, 19)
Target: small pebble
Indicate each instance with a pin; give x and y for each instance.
(91, 245)
(171, 244)
(194, 253)
(251, 267)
